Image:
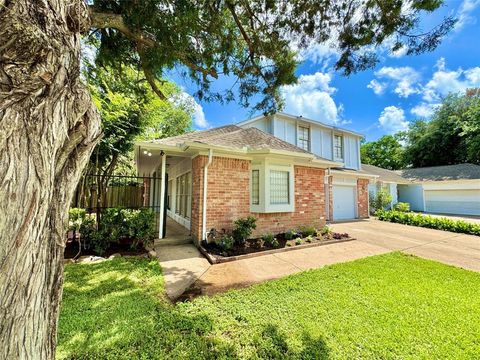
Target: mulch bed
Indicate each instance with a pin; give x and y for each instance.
(123, 249)
(256, 247)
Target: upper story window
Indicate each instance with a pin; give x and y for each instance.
(338, 147)
(304, 138)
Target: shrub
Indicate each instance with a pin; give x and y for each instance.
(402, 206)
(308, 230)
(289, 235)
(268, 238)
(298, 241)
(432, 222)
(380, 201)
(309, 238)
(275, 243)
(225, 243)
(141, 226)
(243, 229)
(325, 230)
(115, 223)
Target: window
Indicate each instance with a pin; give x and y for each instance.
(304, 138)
(338, 147)
(255, 187)
(169, 194)
(279, 187)
(184, 194)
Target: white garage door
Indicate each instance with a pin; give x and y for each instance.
(343, 202)
(466, 202)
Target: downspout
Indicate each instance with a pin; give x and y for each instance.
(205, 186)
(327, 195)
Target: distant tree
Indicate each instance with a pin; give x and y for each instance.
(49, 125)
(386, 152)
(452, 136)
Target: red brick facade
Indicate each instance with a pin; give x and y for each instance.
(228, 197)
(362, 198)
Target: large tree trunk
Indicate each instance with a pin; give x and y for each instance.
(48, 129)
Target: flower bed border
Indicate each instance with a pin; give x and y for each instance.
(212, 259)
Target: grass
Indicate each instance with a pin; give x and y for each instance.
(389, 306)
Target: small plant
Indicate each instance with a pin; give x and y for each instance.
(243, 229)
(225, 243)
(290, 234)
(308, 230)
(275, 243)
(298, 241)
(309, 238)
(268, 239)
(325, 230)
(402, 206)
(289, 244)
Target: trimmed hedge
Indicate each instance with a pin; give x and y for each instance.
(432, 222)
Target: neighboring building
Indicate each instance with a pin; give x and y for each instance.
(216, 176)
(451, 189)
(386, 179)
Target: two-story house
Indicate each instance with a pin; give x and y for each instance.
(285, 170)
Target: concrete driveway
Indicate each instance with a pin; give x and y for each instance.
(373, 238)
(450, 248)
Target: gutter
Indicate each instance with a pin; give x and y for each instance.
(205, 186)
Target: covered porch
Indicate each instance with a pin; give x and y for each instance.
(173, 194)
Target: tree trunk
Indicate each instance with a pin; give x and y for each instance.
(48, 129)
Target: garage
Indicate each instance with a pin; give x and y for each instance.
(464, 202)
(344, 202)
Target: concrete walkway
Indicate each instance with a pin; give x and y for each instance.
(373, 238)
(182, 265)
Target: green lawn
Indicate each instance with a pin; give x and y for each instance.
(388, 306)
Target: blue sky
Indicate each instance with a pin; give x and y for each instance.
(378, 101)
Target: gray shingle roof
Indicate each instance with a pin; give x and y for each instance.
(384, 174)
(442, 173)
(235, 137)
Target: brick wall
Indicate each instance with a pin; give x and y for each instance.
(362, 198)
(228, 197)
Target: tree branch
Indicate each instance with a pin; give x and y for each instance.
(109, 20)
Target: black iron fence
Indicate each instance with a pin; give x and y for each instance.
(96, 192)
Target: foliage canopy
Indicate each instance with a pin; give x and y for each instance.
(254, 41)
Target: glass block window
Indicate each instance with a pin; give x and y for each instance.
(279, 187)
(304, 138)
(255, 187)
(338, 147)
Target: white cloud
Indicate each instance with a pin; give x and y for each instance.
(377, 86)
(319, 54)
(199, 117)
(311, 98)
(424, 110)
(187, 101)
(405, 79)
(464, 16)
(445, 81)
(392, 119)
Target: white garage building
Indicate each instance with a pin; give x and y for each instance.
(451, 189)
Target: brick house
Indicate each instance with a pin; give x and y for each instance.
(216, 176)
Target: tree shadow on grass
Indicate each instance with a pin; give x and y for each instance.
(117, 310)
(273, 345)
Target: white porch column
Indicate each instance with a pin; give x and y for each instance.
(162, 195)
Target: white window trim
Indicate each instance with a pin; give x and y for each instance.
(264, 205)
(309, 140)
(335, 158)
